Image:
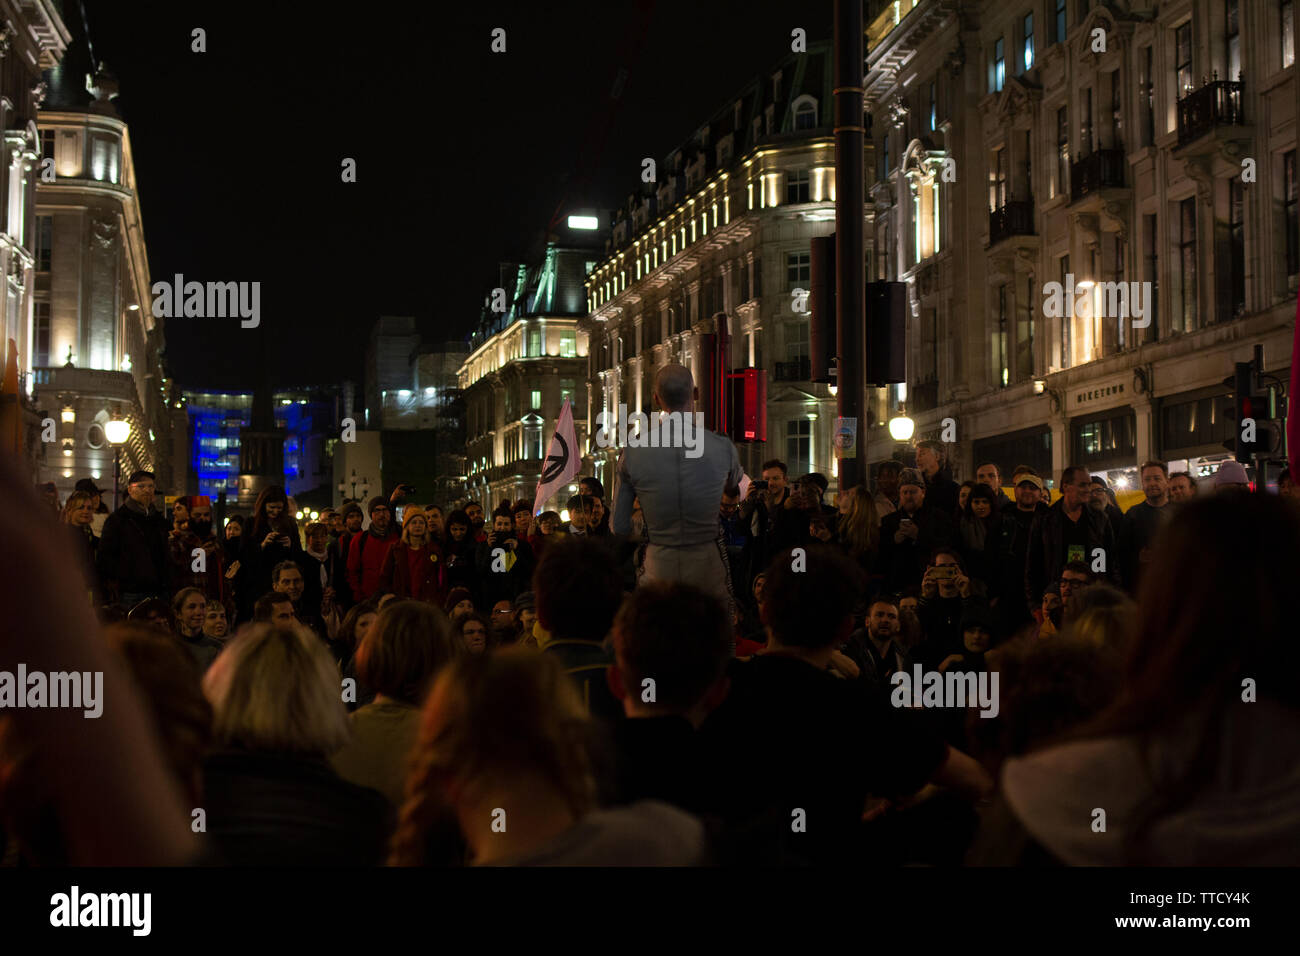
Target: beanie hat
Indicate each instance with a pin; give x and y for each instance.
(351, 508)
(378, 501)
(911, 476)
(1231, 473)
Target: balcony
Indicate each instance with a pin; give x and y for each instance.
(1217, 103)
(1016, 218)
(1103, 169)
(796, 370)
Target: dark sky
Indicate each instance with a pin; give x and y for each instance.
(462, 155)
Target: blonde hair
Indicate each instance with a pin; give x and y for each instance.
(410, 512)
(860, 528)
(277, 690)
(74, 499)
(489, 721)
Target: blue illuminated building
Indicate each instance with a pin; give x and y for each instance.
(310, 416)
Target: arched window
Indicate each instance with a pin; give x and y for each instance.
(805, 112)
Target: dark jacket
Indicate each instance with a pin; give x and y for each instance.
(760, 549)
(586, 663)
(132, 555)
(1136, 532)
(904, 564)
(395, 575)
(266, 809)
(942, 492)
(503, 585)
(1047, 556)
(257, 563)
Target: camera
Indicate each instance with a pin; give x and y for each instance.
(759, 484)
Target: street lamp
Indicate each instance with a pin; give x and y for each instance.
(354, 481)
(116, 432)
(900, 426)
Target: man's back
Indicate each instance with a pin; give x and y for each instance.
(679, 495)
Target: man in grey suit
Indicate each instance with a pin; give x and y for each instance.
(678, 469)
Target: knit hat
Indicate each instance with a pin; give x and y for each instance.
(1231, 473)
(378, 501)
(911, 476)
(525, 601)
(351, 508)
(455, 597)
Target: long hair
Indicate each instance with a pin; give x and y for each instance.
(860, 528)
(347, 635)
(1217, 611)
(262, 525)
(490, 721)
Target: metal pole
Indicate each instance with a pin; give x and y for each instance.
(850, 197)
(117, 477)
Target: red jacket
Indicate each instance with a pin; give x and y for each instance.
(366, 554)
(431, 585)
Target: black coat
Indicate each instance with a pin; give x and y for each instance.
(133, 556)
(1046, 558)
(904, 564)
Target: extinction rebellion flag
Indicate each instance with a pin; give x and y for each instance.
(562, 460)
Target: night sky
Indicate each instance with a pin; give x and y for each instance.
(463, 155)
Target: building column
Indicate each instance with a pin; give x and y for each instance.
(1147, 430)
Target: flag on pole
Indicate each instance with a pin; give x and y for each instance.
(1293, 400)
(562, 460)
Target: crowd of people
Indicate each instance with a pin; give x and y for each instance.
(511, 688)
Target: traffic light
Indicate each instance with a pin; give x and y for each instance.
(886, 333)
(822, 331)
(1256, 429)
(747, 394)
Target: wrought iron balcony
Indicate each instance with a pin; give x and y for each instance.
(796, 370)
(1217, 103)
(1103, 169)
(1016, 218)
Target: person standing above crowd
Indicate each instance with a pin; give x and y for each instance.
(133, 560)
(368, 550)
(679, 494)
(271, 537)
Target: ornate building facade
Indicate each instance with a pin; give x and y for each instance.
(1087, 144)
(726, 228)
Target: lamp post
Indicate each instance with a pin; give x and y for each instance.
(354, 481)
(117, 432)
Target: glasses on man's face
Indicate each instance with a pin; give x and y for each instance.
(502, 610)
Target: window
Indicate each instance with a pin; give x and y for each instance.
(884, 158)
(999, 66)
(798, 270)
(535, 398)
(44, 242)
(1068, 289)
(567, 389)
(796, 186)
(1151, 254)
(934, 107)
(1062, 151)
(1028, 58)
(1148, 90)
(47, 144)
(796, 340)
(1187, 262)
(998, 180)
(758, 277)
(934, 208)
(1116, 113)
(1000, 341)
(1024, 365)
(1286, 25)
(568, 345)
(1290, 223)
(805, 117)
(1059, 35)
(798, 446)
(1085, 125)
(1183, 59)
(1236, 248)
(41, 349)
(744, 284)
(1232, 38)
(534, 343)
